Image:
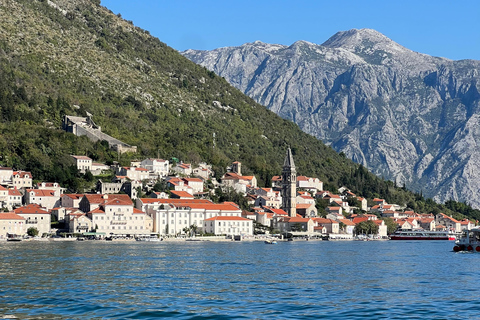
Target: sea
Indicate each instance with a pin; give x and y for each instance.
(238, 280)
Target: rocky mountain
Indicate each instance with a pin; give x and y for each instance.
(407, 116)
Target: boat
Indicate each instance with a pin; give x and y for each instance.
(469, 240)
(271, 241)
(422, 235)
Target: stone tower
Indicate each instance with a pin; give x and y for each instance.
(289, 185)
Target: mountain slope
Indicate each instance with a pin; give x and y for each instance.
(408, 116)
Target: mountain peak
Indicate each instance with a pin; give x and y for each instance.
(357, 37)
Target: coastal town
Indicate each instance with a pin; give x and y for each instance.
(130, 207)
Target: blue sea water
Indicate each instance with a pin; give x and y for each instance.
(232, 280)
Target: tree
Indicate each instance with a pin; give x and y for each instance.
(366, 227)
(391, 225)
(32, 232)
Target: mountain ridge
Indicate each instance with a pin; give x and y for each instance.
(401, 113)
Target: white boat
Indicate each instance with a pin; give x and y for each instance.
(422, 235)
(468, 241)
(270, 241)
(151, 238)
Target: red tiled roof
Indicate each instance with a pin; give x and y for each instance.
(347, 222)
(14, 192)
(22, 174)
(74, 196)
(182, 194)
(30, 209)
(359, 219)
(42, 193)
(10, 216)
(175, 201)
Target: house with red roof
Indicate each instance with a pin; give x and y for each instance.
(35, 216)
(11, 224)
(296, 224)
(466, 224)
(116, 215)
(22, 179)
(71, 200)
(449, 222)
(47, 199)
(332, 226)
(349, 226)
(228, 225)
(183, 169)
(181, 195)
(203, 171)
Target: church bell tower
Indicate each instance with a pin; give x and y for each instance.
(289, 185)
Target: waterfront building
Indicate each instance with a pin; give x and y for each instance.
(228, 226)
(11, 223)
(35, 216)
(115, 215)
(289, 185)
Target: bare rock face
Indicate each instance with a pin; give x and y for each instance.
(407, 116)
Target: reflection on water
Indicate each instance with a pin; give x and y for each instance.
(296, 280)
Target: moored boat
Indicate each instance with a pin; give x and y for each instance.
(422, 235)
(468, 241)
(270, 241)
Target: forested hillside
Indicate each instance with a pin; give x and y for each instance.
(73, 57)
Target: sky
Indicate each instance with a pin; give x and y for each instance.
(449, 29)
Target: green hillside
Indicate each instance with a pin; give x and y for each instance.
(74, 57)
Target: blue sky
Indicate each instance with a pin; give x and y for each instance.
(449, 29)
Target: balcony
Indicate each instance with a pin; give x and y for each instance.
(115, 223)
(31, 222)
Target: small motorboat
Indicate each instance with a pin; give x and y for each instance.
(270, 242)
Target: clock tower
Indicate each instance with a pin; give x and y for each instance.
(289, 185)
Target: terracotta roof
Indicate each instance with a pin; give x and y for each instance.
(42, 193)
(135, 210)
(22, 174)
(182, 194)
(30, 209)
(74, 196)
(118, 202)
(279, 212)
(304, 205)
(14, 192)
(302, 178)
(97, 210)
(10, 216)
(2, 188)
(359, 219)
(324, 221)
(296, 219)
(277, 178)
(347, 222)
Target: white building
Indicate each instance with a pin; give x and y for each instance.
(158, 166)
(11, 224)
(44, 198)
(22, 179)
(14, 198)
(35, 217)
(228, 225)
(83, 163)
